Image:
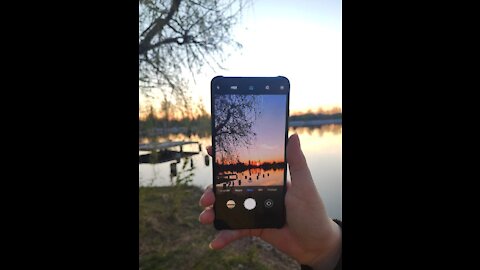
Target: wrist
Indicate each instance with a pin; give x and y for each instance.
(330, 256)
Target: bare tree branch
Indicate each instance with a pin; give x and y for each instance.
(182, 35)
(159, 23)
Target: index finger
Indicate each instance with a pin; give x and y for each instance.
(208, 197)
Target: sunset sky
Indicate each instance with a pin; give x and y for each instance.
(301, 40)
(270, 140)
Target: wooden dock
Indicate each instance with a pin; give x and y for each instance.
(164, 145)
(163, 151)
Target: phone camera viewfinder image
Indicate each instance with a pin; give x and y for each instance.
(249, 133)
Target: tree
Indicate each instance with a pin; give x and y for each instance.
(175, 35)
(235, 117)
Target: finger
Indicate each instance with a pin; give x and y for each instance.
(209, 150)
(208, 197)
(226, 237)
(207, 216)
(299, 172)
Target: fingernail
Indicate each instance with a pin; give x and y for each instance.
(199, 216)
(210, 245)
(200, 201)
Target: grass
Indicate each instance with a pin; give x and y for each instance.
(172, 238)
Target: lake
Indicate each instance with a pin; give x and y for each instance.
(322, 147)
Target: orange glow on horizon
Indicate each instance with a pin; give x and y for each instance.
(253, 163)
(319, 110)
(178, 115)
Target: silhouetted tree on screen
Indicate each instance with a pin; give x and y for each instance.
(235, 117)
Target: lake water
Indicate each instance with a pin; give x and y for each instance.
(255, 177)
(322, 147)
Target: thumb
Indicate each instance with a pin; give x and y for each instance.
(299, 172)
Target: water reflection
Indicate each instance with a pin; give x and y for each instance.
(253, 177)
(318, 131)
(322, 147)
(194, 169)
(183, 172)
(324, 140)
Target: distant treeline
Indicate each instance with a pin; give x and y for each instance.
(159, 126)
(152, 125)
(315, 116)
(241, 167)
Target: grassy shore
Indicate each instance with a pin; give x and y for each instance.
(172, 238)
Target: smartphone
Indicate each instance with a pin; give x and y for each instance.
(249, 137)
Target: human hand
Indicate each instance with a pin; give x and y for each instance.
(309, 235)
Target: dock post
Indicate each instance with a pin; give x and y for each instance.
(173, 169)
(207, 160)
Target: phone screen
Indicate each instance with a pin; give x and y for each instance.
(249, 134)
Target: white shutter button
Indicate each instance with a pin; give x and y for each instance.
(249, 203)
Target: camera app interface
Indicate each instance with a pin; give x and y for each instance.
(249, 173)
